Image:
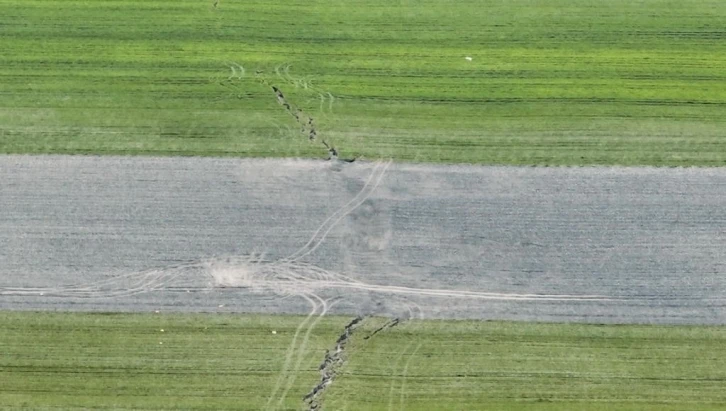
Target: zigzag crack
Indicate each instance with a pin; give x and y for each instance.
(330, 366)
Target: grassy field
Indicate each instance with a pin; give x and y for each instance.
(560, 82)
(118, 361)
(549, 82)
(125, 361)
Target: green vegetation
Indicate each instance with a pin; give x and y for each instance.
(467, 365)
(115, 361)
(125, 361)
(549, 82)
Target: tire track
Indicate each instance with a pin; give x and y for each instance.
(402, 397)
(301, 349)
(290, 353)
(393, 369)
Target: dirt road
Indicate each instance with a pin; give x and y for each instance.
(555, 244)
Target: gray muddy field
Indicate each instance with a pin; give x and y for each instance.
(191, 234)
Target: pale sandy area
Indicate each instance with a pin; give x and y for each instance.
(596, 244)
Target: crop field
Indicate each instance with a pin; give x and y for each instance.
(165, 361)
(161, 282)
(562, 82)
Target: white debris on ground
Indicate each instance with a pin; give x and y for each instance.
(468, 58)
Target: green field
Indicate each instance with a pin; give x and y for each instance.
(556, 82)
(549, 82)
(207, 361)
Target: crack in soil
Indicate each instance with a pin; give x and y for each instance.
(330, 366)
(390, 324)
(305, 121)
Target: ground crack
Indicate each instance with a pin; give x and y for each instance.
(330, 366)
(390, 324)
(306, 122)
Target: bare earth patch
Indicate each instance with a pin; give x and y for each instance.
(191, 234)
